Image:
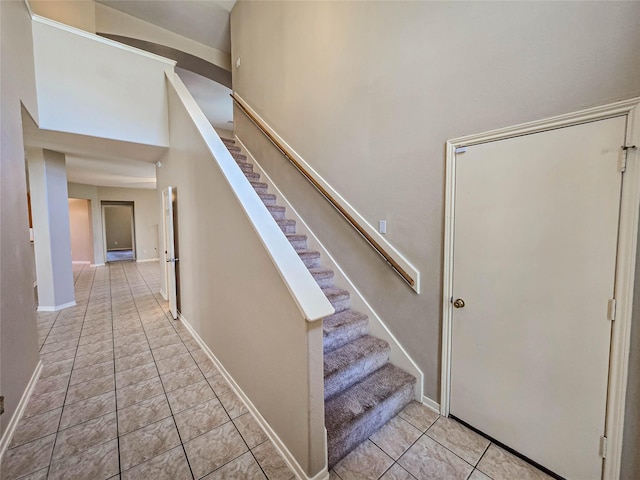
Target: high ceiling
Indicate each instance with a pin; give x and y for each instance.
(205, 21)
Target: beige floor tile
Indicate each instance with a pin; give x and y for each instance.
(84, 374)
(136, 375)
(232, 404)
(364, 463)
(37, 426)
(428, 459)
(181, 378)
(501, 465)
(190, 396)
(171, 465)
(50, 384)
(396, 472)
(57, 346)
(244, 467)
(143, 413)
(250, 430)
(144, 444)
(105, 345)
(169, 351)
(139, 391)
(478, 475)
(97, 463)
(271, 462)
(39, 475)
(165, 340)
(57, 368)
(215, 448)
(219, 384)
(90, 388)
(132, 349)
(418, 415)
(395, 437)
(200, 419)
(173, 364)
(133, 361)
(85, 410)
(86, 339)
(459, 439)
(27, 458)
(79, 438)
(93, 359)
(58, 356)
(44, 402)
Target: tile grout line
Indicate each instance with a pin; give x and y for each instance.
(115, 387)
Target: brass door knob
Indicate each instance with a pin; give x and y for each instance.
(459, 303)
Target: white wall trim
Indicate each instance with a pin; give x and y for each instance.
(22, 405)
(96, 38)
(55, 308)
(625, 270)
(97, 265)
(81, 262)
(148, 260)
(398, 356)
(393, 252)
(432, 404)
(273, 436)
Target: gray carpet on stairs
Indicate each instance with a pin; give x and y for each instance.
(363, 390)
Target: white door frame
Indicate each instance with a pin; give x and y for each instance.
(625, 268)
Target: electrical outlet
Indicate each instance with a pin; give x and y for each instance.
(382, 226)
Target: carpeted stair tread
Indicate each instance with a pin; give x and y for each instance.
(260, 187)
(246, 167)
(276, 211)
(339, 298)
(355, 414)
(297, 241)
(239, 157)
(252, 176)
(352, 363)
(323, 276)
(268, 198)
(309, 257)
(342, 328)
(287, 225)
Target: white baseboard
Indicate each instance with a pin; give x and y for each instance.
(275, 439)
(148, 260)
(97, 265)
(55, 308)
(81, 262)
(22, 405)
(432, 404)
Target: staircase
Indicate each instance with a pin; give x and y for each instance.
(362, 390)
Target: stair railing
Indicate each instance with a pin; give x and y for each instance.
(348, 217)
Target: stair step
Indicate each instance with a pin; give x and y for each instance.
(354, 415)
(339, 298)
(260, 187)
(323, 276)
(343, 327)
(299, 242)
(287, 225)
(252, 176)
(246, 167)
(239, 157)
(352, 363)
(228, 141)
(276, 211)
(310, 258)
(268, 199)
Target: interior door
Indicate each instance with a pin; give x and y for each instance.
(169, 250)
(536, 229)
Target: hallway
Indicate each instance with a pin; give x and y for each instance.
(125, 392)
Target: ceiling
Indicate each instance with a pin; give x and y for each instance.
(102, 162)
(205, 21)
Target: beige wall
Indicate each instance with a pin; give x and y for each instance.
(369, 92)
(81, 230)
(77, 13)
(117, 223)
(18, 341)
(90, 192)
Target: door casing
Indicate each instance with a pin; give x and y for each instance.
(625, 269)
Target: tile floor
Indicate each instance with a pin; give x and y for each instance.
(125, 392)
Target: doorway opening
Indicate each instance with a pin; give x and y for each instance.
(119, 231)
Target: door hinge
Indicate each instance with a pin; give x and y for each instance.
(622, 159)
(603, 447)
(611, 309)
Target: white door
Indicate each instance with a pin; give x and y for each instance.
(169, 250)
(536, 229)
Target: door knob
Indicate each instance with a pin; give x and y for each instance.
(459, 303)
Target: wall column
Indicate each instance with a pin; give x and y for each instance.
(51, 230)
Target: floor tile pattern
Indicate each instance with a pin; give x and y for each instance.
(127, 393)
